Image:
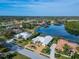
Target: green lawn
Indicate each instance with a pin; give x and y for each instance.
(23, 42)
(19, 56)
(2, 37)
(63, 58)
(58, 56)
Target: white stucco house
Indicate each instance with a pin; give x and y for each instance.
(44, 40)
(23, 35)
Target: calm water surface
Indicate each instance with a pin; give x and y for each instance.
(58, 30)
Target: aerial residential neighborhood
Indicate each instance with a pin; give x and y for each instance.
(39, 29)
(48, 40)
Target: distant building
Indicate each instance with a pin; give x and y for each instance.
(44, 40)
(23, 35)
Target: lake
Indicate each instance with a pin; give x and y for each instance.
(58, 30)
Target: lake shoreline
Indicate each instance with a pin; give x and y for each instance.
(48, 31)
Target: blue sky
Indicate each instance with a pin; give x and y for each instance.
(39, 7)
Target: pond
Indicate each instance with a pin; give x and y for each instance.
(58, 30)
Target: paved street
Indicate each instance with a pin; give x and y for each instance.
(25, 52)
(31, 54)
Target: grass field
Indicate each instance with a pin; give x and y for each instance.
(19, 56)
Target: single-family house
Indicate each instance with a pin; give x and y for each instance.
(23, 35)
(44, 40)
(62, 42)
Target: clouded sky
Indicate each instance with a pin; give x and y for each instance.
(39, 7)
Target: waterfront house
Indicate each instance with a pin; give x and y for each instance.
(43, 40)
